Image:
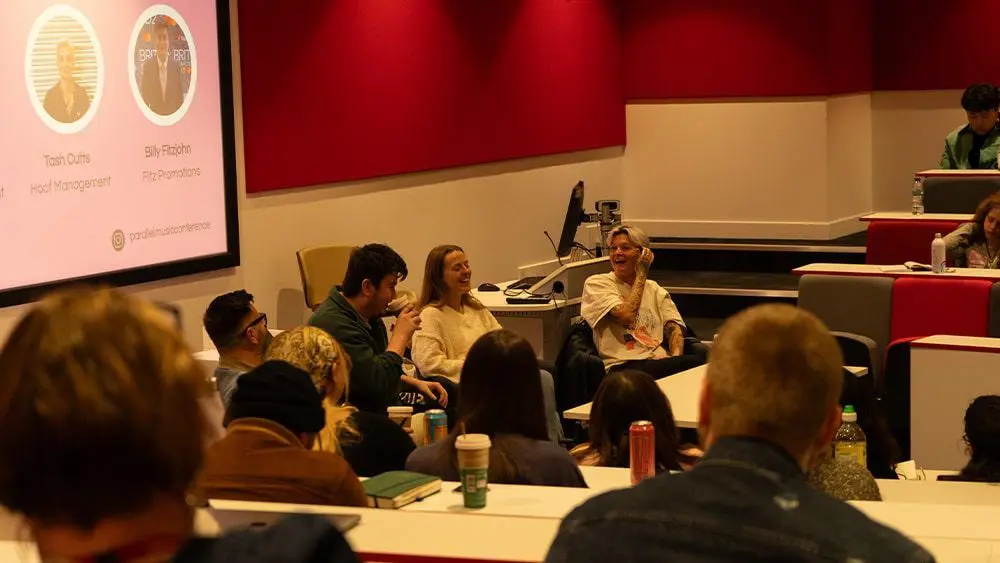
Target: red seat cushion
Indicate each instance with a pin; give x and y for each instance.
(895, 242)
(923, 306)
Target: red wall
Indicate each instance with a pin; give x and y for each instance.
(347, 89)
(738, 48)
(936, 44)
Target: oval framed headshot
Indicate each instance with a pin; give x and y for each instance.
(162, 65)
(64, 69)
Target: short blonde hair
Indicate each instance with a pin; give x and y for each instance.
(775, 373)
(99, 409)
(317, 353)
(635, 235)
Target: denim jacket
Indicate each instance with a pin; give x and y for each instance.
(746, 500)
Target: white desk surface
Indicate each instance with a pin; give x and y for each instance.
(497, 301)
(964, 343)
(415, 534)
(894, 271)
(902, 216)
(684, 391)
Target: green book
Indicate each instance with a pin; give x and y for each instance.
(395, 489)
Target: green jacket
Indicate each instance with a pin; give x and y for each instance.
(958, 144)
(375, 373)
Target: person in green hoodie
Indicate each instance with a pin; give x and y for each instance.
(974, 145)
(352, 315)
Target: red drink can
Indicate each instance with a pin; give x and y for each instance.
(642, 450)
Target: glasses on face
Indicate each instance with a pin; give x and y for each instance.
(262, 318)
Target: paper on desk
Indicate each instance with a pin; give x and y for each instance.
(893, 268)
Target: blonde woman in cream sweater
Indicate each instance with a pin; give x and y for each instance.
(451, 320)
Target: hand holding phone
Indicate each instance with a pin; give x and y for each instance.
(646, 257)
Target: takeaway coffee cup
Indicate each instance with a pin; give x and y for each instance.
(473, 465)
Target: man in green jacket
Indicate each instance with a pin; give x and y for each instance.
(352, 314)
(974, 146)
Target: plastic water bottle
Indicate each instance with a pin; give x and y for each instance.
(918, 195)
(850, 443)
(937, 254)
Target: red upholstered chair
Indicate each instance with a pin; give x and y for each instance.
(895, 242)
(923, 306)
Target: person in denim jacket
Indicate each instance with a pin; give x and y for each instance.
(768, 408)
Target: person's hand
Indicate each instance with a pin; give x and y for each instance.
(432, 390)
(646, 257)
(407, 322)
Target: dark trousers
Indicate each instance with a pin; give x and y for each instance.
(662, 367)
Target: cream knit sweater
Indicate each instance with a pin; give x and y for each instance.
(445, 336)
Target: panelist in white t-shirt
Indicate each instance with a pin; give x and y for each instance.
(636, 324)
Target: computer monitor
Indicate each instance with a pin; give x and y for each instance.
(574, 216)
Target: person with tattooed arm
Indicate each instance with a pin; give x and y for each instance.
(635, 322)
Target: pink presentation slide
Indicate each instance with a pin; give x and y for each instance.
(111, 148)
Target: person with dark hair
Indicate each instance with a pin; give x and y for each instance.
(161, 86)
(975, 144)
(352, 314)
(266, 455)
(982, 435)
(101, 437)
(977, 244)
(452, 319)
(624, 397)
(768, 409)
(239, 332)
(502, 398)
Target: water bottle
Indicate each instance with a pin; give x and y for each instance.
(918, 195)
(937, 254)
(850, 443)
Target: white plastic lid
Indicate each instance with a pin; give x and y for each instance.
(849, 415)
(399, 410)
(937, 235)
(472, 442)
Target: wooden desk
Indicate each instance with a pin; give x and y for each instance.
(684, 391)
(899, 216)
(894, 271)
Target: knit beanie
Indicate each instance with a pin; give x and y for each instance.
(279, 392)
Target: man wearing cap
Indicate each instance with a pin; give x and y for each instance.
(266, 455)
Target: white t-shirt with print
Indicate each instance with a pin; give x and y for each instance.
(604, 292)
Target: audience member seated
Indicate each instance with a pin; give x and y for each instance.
(842, 479)
(352, 315)
(636, 324)
(451, 319)
(271, 427)
(502, 398)
(370, 442)
(982, 436)
(977, 244)
(624, 397)
(975, 144)
(101, 437)
(239, 332)
(768, 408)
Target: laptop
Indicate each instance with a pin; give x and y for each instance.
(237, 519)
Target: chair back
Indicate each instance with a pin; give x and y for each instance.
(321, 268)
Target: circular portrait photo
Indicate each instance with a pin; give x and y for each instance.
(64, 69)
(162, 65)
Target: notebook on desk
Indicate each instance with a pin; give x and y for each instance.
(239, 519)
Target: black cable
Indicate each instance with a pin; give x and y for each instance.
(554, 248)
